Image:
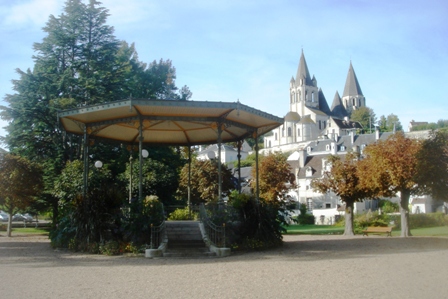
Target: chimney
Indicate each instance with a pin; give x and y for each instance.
(302, 157)
(352, 136)
(377, 133)
(334, 148)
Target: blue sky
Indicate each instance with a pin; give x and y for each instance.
(249, 50)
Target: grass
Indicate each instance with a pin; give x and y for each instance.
(296, 229)
(31, 230)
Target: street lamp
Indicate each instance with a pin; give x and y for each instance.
(98, 164)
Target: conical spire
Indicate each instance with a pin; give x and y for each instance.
(352, 87)
(323, 105)
(337, 108)
(302, 72)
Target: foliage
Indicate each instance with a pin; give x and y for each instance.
(160, 174)
(365, 116)
(20, 183)
(304, 217)
(256, 225)
(204, 181)
(84, 223)
(432, 159)
(440, 124)
(343, 179)
(143, 214)
(425, 220)
(79, 62)
(390, 123)
(248, 162)
(275, 178)
(183, 214)
(388, 207)
(389, 167)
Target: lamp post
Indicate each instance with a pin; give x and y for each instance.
(212, 157)
(144, 154)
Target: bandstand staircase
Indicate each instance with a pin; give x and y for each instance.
(185, 240)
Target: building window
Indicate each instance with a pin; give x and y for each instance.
(327, 147)
(289, 132)
(327, 205)
(320, 125)
(309, 204)
(342, 148)
(309, 171)
(298, 132)
(270, 143)
(312, 97)
(275, 136)
(329, 123)
(308, 149)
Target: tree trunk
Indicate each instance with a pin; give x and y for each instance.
(404, 211)
(9, 229)
(348, 218)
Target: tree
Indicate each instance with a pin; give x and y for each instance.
(391, 167)
(20, 183)
(365, 116)
(432, 165)
(343, 179)
(79, 62)
(275, 178)
(204, 181)
(389, 124)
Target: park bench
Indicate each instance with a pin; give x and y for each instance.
(378, 230)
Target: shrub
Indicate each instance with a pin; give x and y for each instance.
(424, 220)
(304, 217)
(255, 224)
(183, 214)
(388, 207)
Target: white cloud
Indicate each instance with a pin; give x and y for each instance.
(32, 13)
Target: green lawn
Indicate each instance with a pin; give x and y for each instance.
(297, 229)
(31, 230)
(332, 230)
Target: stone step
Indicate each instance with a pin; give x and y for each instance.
(185, 240)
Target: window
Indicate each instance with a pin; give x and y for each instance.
(283, 131)
(309, 171)
(308, 149)
(329, 123)
(327, 147)
(292, 98)
(275, 136)
(312, 97)
(300, 95)
(342, 148)
(327, 205)
(309, 204)
(289, 132)
(320, 125)
(270, 143)
(298, 132)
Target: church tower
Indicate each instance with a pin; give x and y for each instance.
(303, 90)
(352, 97)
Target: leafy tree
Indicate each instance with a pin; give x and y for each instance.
(275, 178)
(365, 116)
(343, 179)
(432, 165)
(79, 62)
(389, 123)
(391, 167)
(204, 181)
(20, 183)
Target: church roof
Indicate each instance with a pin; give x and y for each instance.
(352, 87)
(302, 72)
(347, 124)
(292, 116)
(337, 108)
(323, 105)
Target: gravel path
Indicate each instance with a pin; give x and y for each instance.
(305, 267)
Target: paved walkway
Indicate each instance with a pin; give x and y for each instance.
(305, 267)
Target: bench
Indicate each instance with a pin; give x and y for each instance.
(378, 230)
(25, 222)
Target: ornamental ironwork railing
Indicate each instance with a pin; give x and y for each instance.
(215, 232)
(158, 232)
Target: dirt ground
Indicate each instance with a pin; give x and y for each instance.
(305, 267)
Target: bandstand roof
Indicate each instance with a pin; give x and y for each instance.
(168, 122)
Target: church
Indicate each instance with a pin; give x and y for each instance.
(310, 117)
